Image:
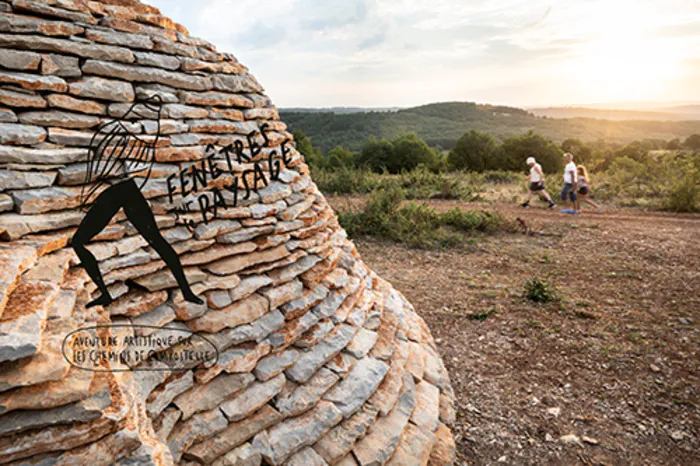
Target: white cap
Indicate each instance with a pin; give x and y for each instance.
(530, 160)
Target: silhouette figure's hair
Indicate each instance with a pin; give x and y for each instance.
(116, 152)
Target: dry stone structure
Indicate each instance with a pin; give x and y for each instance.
(320, 361)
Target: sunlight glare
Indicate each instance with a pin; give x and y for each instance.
(623, 60)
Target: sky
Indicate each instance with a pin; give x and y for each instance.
(399, 53)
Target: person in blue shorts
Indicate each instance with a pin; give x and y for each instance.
(568, 193)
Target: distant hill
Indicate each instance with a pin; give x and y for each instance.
(339, 110)
(683, 109)
(642, 106)
(441, 124)
(609, 114)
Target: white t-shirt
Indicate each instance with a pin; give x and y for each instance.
(535, 174)
(570, 168)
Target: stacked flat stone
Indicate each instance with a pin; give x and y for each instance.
(320, 360)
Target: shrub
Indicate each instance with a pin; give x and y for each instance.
(340, 157)
(502, 177)
(516, 149)
(635, 151)
(579, 149)
(420, 183)
(416, 225)
(410, 151)
(539, 290)
(667, 181)
(312, 154)
(685, 195)
(345, 180)
(375, 154)
(474, 151)
(692, 142)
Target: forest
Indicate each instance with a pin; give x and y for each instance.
(440, 125)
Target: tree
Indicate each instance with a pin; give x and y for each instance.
(517, 149)
(635, 151)
(340, 157)
(674, 144)
(581, 152)
(474, 151)
(409, 152)
(692, 142)
(313, 155)
(376, 154)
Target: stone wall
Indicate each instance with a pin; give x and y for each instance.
(320, 360)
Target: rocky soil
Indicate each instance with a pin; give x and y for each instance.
(608, 375)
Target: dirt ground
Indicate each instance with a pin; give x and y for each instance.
(608, 375)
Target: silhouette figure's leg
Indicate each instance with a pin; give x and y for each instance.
(106, 205)
(140, 215)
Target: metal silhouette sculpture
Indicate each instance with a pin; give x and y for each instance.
(116, 155)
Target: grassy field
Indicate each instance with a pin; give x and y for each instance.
(602, 368)
(636, 185)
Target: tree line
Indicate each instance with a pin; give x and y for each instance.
(442, 124)
(479, 151)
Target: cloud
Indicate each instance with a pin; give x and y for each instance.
(374, 40)
(262, 36)
(541, 19)
(321, 15)
(403, 52)
(686, 29)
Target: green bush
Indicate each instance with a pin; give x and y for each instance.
(517, 149)
(410, 151)
(692, 142)
(416, 225)
(668, 181)
(312, 154)
(475, 151)
(376, 154)
(684, 196)
(502, 177)
(539, 290)
(340, 157)
(420, 183)
(346, 180)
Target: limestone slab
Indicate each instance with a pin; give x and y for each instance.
(305, 396)
(212, 394)
(282, 440)
(252, 398)
(13, 133)
(311, 360)
(350, 394)
(22, 323)
(233, 436)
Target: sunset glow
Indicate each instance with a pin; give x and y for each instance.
(397, 53)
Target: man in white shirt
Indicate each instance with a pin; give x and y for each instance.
(568, 193)
(536, 178)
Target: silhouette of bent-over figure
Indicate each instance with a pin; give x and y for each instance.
(115, 156)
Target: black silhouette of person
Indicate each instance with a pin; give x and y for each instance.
(115, 156)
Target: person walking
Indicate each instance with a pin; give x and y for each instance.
(584, 187)
(568, 193)
(536, 178)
